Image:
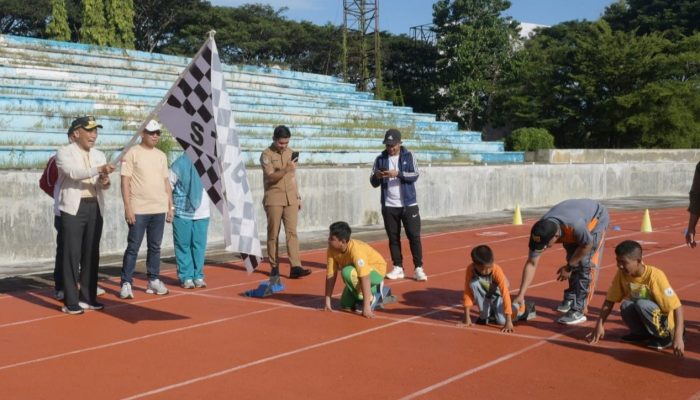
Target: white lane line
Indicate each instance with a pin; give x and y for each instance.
(134, 339)
(482, 367)
(275, 357)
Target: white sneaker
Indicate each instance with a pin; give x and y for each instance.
(396, 273)
(100, 291)
(420, 275)
(188, 284)
(95, 306)
(156, 286)
(199, 283)
(125, 292)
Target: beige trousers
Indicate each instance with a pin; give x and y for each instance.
(276, 216)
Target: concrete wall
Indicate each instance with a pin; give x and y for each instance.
(331, 194)
(585, 156)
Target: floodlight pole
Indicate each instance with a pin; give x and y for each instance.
(358, 16)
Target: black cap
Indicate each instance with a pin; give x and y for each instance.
(86, 122)
(541, 233)
(392, 137)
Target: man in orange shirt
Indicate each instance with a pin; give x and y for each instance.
(486, 285)
(362, 269)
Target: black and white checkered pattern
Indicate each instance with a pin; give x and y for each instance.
(188, 115)
(198, 113)
(241, 233)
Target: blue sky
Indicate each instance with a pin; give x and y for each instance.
(397, 16)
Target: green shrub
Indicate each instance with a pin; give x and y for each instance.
(529, 139)
(168, 145)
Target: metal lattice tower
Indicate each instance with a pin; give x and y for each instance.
(360, 25)
(423, 33)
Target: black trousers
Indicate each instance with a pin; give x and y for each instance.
(81, 252)
(410, 218)
(58, 261)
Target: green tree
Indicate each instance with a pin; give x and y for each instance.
(57, 27)
(594, 87)
(678, 17)
(94, 25)
(475, 44)
(159, 23)
(410, 72)
(314, 48)
(24, 18)
(120, 23)
(665, 112)
(251, 34)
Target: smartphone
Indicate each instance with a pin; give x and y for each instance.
(383, 169)
(295, 156)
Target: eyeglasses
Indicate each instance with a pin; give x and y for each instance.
(153, 133)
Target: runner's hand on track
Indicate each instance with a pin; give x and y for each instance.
(690, 238)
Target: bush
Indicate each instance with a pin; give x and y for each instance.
(529, 139)
(168, 145)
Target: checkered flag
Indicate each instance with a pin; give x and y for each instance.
(241, 231)
(198, 113)
(188, 115)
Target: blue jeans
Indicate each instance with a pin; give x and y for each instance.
(152, 225)
(490, 306)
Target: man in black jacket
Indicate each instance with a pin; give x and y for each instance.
(396, 171)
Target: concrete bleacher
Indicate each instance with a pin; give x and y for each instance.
(45, 84)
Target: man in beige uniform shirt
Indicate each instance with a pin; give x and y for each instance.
(282, 202)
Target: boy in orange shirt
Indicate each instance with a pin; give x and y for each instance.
(486, 285)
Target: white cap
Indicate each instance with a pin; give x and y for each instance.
(152, 126)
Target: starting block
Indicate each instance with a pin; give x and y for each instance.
(266, 289)
(381, 299)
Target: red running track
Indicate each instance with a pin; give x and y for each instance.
(216, 343)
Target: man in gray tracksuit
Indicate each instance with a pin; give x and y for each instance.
(580, 225)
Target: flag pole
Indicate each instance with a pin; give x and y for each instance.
(162, 101)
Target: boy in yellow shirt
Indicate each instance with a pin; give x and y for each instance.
(649, 306)
(486, 285)
(362, 269)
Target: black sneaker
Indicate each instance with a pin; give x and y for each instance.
(660, 343)
(635, 338)
(530, 312)
(73, 310)
(481, 321)
(298, 272)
